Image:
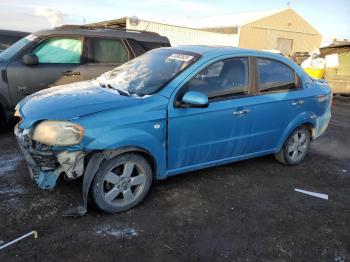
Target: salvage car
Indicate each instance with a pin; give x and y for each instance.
(168, 112)
(64, 55)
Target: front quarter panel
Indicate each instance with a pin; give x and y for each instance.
(142, 126)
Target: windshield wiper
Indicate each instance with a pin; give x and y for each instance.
(120, 91)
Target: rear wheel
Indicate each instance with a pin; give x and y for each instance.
(295, 147)
(122, 183)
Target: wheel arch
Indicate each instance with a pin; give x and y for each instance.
(306, 120)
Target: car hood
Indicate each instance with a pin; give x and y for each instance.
(71, 101)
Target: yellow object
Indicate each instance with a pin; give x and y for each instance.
(315, 73)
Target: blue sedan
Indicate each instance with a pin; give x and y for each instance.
(167, 112)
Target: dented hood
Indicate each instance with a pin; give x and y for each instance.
(71, 101)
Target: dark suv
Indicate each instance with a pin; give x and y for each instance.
(64, 55)
(8, 38)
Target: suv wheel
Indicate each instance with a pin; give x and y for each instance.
(122, 183)
(294, 149)
(3, 122)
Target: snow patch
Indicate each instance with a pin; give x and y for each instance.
(9, 162)
(117, 232)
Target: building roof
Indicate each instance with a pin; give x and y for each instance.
(235, 19)
(335, 48)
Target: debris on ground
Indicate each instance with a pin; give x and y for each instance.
(35, 233)
(117, 232)
(319, 195)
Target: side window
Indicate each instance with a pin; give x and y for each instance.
(226, 77)
(109, 51)
(275, 76)
(59, 50)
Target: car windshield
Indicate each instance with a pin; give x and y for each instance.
(148, 73)
(13, 49)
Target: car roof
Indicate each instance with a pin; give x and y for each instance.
(100, 32)
(208, 52)
(222, 50)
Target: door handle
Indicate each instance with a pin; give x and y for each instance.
(298, 102)
(71, 73)
(241, 112)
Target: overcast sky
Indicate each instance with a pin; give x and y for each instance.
(330, 17)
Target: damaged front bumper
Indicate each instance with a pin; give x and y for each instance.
(45, 164)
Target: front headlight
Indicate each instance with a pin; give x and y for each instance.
(58, 133)
(17, 113)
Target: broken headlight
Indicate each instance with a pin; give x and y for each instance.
(17, 113)
(58, 133)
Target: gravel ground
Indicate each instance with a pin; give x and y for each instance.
(245, 211)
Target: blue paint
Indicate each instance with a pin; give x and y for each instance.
(47, 180)
(187, 138)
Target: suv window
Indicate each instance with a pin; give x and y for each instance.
(226, 77)
(275, 76)
(59, 50)
(109, 51)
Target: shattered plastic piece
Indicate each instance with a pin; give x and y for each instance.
(319, 195)
(77, 211)
(47, 180)
(34, 232)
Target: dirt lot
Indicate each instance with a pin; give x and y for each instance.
(244, 211)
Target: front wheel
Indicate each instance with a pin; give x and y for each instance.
(122, 183)
(294, 149)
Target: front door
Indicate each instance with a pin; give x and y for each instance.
(60, 62)
(202, 135)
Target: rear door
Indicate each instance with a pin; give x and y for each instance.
(279, 99)
(60, 62)
(105, 54)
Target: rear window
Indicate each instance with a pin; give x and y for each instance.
(275, 76)
(147, 46)
(109, 51)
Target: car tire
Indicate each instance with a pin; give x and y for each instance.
(122, 183)
(3, 122)
(295, 147)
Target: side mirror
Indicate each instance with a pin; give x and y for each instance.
(195, 99)
(30, 59)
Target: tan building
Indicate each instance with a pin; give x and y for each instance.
(280, 29)
(177, 35)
